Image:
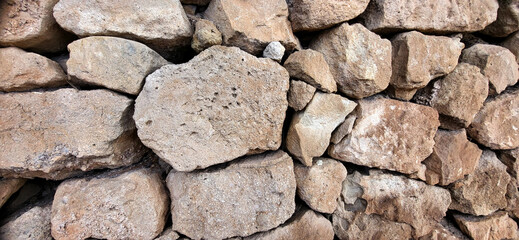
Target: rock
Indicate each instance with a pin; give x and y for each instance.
(445, 230)
(274, 51)
(483, 191)
(496, 63)
(111, 62)
(25, 71)
(310, 66)
(252, 30)
(430, 16)
(196, 2)
(300, 94)
(389, 134)
(366, 226)
(57, 134)
(344, 129)
(168, 234)
(313, 15)
(206, 35)
(360, 61)
(400, 93)
(161, 24)
(512, 196)
(9, 186)
(212, 110)
(453, 157)
(250, 195)
(32, 222)
(507, 19)
(511, 159)
(512, 44)
(310, 130)
(419, 58)
(496, 125)
(119, 204)
(496, 226)
(459, 96)
(320, 185)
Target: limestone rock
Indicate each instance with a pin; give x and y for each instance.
(344, 129)
(360, 61)
(512, 44)
(111, 62)
(9, 186)
(250, 195)
(221, 105)
(496, 63)
(120, 204)
(300, 94)
(507, 19)
(389, 134)
(252, 30)
(206, 35)
(493, 227)
(310, 130)
(430, 16)
(25, 71)
(274, 51)
(29, 223)
(59, 133)
(168, 234)
(159, 23)
(310, 66)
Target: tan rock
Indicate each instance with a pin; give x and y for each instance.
(221, 105)
(60, 133)
(206, 35)
(252, 30)
(344, 129)
(9, 186)
(25, 71)
(400, 93)
(310, 130)
(507, 19)
(250, 195)
(366, 226)
(511, 159)
(310, 66)
(32, 222)
(445, 230)
(493, 227)
(360, 61)
(168, 234)
(300, 94)
(512, 44)
(389, 134)
(512, 196)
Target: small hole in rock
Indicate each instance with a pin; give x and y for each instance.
(148, 122)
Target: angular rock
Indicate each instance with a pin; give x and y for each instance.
(25, 71)
(366, 226)
(310, 66)
(168, 234)
(344, 129)
(133, 19)
(252, 30)
(512, 44)
(30, 223)
(274, 51)
(221, 105)
(360, 61)
(9, 186)
(310, 130)
(389, 134)
(206, 35)
(507, 19)
(496, 226)
(120, 204)
(483, 191)
(445, 230)
(496, 63)
(300, 94)
(430, 16)
(511, 159)
(60, 133)
(250, 195)
(512, 196)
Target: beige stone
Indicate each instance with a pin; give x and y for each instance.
(9, 186)
(493, 227)
(507, 19)
(206, 35)
(250, 195)
(32, 222)
(221, 105)
(168, 234)
(445, 230)
(310, 66)
(300, 94)
(274, 51)
(344, 129)
(401, 93)
(512, 44)
(511, 159)
(366, 226)
(512, 196)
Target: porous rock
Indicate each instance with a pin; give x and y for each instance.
(32, 222)
(493, 227)
(507, 20)
(300, 94)
(310, 66)
(206, 35)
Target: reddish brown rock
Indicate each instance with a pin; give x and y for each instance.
(512, 44)
(310, 66)
(300, 94)
(32, 222)
(512, 196)
(206, 35)
(9, 186)
(507, 19)
(511, 159)
(493, 227)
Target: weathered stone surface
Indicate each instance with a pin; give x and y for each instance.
(168, 234)
(512, 44)
(310, 130)
(59, 133)
(313, 15)
(274, 51)
(111, 62)
(300, 94)
(310, 66)
(493, 227)
(133, 19)
(120, 204)
(206, 35)
(8, 186)
(496, 125)
(320, 185)
(221, 105)
(389, 134)
(30, 223)
(25, 71)
(483, 191)
(366, 226)
(496, 63)
(453, 157)
(511, 159)
(507, 19)
(445, 230)
(512, 196)
(250, 195)
(344, 129)
(430, 16)
(252, 30)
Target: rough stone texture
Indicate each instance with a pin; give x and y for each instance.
(133, 19)
(512, 44)
(445, 230)
(453, 157)
(483, 191)
(168, 234)
(274, 51)
(430, 16)
(252, 30)
(111, 62)
(512, 196)
(248, 196)
(344, 129)
(8, 186)
(389, 134)
(310, 66)
(206, 35)
(59, 133)
(364, 226)
(507, 19)
(459, 96)
(496, 63)
(25, 71)
(30, 223)
(310, 130)
(300, 94)
(360, 61)
(496, 125)
(121, 204)
(320, 185)
(493, 227)
(511, 159)
(221, 105)
(313, 15)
